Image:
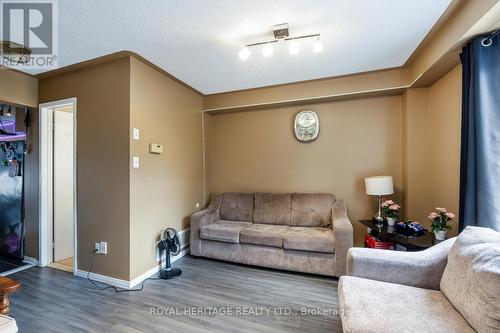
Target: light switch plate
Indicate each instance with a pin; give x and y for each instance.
(135, 162)
(155, 148)
(136, 133)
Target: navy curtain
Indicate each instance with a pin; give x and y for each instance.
(480, 150)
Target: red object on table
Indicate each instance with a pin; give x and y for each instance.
(376, 243)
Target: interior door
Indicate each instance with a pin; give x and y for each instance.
(63, 185)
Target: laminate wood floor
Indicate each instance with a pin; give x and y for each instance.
(51, 300)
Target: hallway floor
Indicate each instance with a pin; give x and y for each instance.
(64, 265)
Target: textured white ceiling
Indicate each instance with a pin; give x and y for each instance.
(198, 41)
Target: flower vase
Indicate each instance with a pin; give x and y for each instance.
(440, 235)
(391, 221)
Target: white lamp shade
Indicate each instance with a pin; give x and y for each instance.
(379, 185)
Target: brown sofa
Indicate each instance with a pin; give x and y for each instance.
(300, 232)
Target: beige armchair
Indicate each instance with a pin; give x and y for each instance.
(451, 287)
(418, 269)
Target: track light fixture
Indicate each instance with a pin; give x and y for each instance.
(281, 34)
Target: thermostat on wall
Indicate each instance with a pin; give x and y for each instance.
(155, 148)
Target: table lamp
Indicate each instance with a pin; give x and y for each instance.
(380, 186)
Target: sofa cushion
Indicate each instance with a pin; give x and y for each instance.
(237, 207)
(7, 324)
(223, 231)
(371, 306)
(272, 208)
(264, 234)
(312, 210)
(471, 278)
(312, 239)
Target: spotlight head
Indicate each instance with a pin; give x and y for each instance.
(245, 53)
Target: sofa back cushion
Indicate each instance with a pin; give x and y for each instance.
(471, 278)
(272, 208)
(312, 209)
(236, 207)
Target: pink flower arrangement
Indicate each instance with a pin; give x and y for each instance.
(390, 208)
(433, 215)
(440, 219)
(387, 203)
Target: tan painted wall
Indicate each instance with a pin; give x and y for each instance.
(207, 156)
(103, 146)
(347, 84)
(416, 155)
(18, 88)
(445, 126)
(257, 151)
(166, 187)
(431, 155)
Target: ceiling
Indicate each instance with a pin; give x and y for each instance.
(198, 41)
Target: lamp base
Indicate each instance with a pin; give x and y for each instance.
(378, 218)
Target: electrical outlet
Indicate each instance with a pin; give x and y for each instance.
(104, 247)
(198, 205)
(97, 248)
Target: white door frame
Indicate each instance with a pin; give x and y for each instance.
(46, 114)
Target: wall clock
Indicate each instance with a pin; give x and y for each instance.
(306, 126)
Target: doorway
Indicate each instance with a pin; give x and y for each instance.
(58, 185)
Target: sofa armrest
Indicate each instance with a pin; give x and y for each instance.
(343, 233)
(421, 269)
(198, 221)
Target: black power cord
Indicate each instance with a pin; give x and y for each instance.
(105, 286)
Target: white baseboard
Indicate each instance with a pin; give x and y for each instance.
(144, 276)
(104, 279)
(156, 269)
(119, 283)
(31, 260)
